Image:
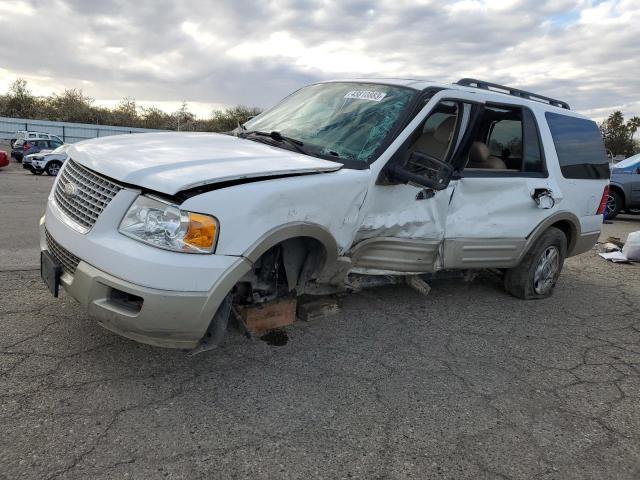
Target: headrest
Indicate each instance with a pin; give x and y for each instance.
(478, 154)
(444, 131)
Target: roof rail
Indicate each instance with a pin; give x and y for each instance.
(494, 87)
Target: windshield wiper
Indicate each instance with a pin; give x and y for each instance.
(278, 137)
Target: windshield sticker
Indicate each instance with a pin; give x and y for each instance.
(366, 95)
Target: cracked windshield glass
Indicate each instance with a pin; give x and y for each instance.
(348, 121)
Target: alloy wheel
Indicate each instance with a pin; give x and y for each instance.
(546, 271)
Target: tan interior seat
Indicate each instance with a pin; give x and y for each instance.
(480, 157)
(435, 143)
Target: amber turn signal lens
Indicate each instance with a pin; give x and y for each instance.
(202, 231)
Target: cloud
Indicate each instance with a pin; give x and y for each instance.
(254, 53)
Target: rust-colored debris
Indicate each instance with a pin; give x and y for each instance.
(268, 316)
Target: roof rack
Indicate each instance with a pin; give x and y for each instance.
(472, 82)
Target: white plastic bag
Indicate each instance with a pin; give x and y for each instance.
(631, 248)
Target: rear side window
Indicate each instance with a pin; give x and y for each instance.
(579, 147)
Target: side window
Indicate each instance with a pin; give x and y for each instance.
(506, 138)
(579, 147)
(435, 138)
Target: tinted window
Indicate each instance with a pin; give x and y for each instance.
(532, 159)
(506, 138)
(579, 147)
(436, 135)
(506, 135)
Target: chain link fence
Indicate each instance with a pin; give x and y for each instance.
(68, 132)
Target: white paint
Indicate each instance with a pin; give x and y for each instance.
(344, 202)
(169, 162)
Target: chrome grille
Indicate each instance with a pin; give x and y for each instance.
(64, 257)
(90, 196)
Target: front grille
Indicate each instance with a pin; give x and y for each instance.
(87, 196)
(64, 257)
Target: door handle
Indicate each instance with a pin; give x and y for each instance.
(425, 194)
(543, 198)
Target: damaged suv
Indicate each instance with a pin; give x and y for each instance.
(162, 235)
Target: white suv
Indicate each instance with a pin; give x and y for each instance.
(160, 234)
(27, 135)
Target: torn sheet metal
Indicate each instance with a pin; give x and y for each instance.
(395, 211)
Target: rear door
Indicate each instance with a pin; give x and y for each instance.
(502, 191)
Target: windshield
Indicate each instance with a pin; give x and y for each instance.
(346, 120)
(627, 162)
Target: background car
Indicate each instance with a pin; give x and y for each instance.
(18, 134)
(49, 162)
(26, 147)
(624, 187)
(28, 159)
(27, 135)
(4, 159)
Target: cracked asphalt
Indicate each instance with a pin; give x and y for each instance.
(465, 383)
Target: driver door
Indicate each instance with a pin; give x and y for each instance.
(403, 225)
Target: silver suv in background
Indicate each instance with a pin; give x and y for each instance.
(49, 162)
(624, 189)
(28, 135)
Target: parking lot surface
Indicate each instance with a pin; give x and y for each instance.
(467, 382)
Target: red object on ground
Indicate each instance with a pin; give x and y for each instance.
(4, 159)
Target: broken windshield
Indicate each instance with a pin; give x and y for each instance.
(344, 120)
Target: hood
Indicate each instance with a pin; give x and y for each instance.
(170, 162)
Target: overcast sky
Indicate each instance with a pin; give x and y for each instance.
(215, 54)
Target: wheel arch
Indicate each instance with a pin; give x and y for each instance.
(295, 230)
(567, 222)
(614, 187)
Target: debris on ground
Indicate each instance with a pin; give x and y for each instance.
(316, 309)
(418, 284)
(617, 252)
(615, 241)
(262, 318)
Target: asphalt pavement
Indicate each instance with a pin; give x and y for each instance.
(467, 382)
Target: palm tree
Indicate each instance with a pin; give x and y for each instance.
(633, 124)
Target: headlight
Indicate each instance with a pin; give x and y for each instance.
(165, 226)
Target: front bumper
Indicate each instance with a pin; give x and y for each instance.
(161, 317)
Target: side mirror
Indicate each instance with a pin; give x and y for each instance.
(422, 170)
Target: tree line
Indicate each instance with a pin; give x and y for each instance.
(618, 134)
(73, 105)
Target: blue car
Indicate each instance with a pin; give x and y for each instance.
(624, 189)
(22, 148)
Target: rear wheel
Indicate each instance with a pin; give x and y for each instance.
(53, 168)
(538, 272)
(614, 205)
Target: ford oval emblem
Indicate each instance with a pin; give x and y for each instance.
(70, 190)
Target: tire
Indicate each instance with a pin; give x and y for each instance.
(538, 271)
(52, 168)
(615, 202)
